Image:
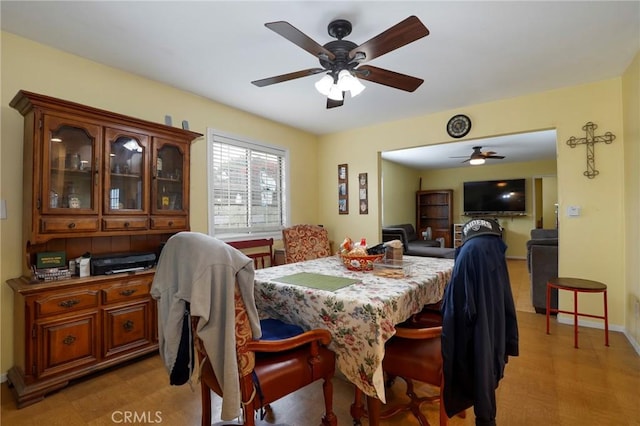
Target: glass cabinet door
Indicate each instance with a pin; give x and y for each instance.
(71, 179)
(169, 188)
(125, 155)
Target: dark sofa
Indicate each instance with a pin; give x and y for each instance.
(414, 246)
(542, 263)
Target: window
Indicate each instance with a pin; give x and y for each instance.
(247, 191)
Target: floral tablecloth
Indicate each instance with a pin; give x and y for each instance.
(361, 317)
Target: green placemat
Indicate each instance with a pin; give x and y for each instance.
(319, 281)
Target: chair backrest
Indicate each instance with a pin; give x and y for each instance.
(305, 242)
(260, 250)
(423, 348)
(246, 358)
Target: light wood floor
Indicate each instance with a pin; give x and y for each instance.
(550, 383)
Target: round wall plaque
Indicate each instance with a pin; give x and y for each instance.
(458, 126)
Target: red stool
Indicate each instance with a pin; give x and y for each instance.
(577, 285)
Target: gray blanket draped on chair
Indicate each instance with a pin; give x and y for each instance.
(200, 270)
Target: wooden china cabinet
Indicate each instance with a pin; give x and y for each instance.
(101, 183)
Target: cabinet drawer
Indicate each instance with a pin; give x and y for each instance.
(67, 344)
(172, 222)
(126, 290)
(68, 224)
(66, 302)
(124, 224)
(126, 328)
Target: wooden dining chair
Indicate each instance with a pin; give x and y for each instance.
(305, 242)
(413, 354)
(260, 250)
(205, 293)
(270, 369)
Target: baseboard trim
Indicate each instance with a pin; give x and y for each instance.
(568, 319)
(633, 342)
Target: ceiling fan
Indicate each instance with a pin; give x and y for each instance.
(341, 59)
(479, 157)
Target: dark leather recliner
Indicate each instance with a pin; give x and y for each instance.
(412, 244)
(542, 263)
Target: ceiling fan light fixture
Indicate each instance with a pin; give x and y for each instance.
(324, 84)
(335, 93)
(356, 87)
(347, 82)
(476, 161)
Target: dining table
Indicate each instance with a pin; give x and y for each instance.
(359, 308)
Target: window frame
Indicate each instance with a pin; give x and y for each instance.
(213, 136)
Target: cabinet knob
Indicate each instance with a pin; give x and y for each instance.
(128, 292)
(69, 340)
(170, 223)
(127, 325)
(72, 225)
(126, 224)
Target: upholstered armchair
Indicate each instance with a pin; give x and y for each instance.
(305, 242)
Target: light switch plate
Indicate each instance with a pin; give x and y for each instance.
(573, 211)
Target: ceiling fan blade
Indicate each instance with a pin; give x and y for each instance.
(388, 78)
(468, 159)
(286, 77)
(405, 32)
(497, 157)
(299, 38)
(333, 104)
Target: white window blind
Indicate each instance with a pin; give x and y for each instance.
(246, 186)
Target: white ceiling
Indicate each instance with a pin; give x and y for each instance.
(476, 51)
(532, 146)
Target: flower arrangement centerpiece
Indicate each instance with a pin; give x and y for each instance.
(356, 256)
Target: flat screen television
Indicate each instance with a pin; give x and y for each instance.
(495, 197)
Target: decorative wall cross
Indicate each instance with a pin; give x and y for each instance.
(590, 140)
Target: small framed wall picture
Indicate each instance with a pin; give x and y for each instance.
(343, 189)
(363, 196)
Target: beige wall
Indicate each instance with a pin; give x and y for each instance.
(549, 192)
(631, 116)
(399, 186)
(37, 68)
(591, 246)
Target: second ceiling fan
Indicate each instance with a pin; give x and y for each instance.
(342, 60)
(479, 157)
